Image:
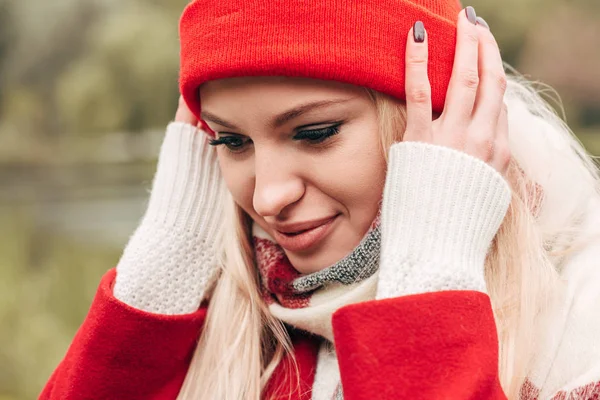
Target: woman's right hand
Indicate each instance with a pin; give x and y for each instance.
(170, 261)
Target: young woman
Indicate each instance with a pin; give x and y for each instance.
(376, 219)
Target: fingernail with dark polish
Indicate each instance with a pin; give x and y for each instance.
(419, 32)
(471, 15)
(481, 21)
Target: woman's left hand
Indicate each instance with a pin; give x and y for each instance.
(475, 118)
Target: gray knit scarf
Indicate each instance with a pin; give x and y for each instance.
(282, 283)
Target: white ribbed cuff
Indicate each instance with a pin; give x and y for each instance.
(187, 192)
(170, 259)
(441, 210)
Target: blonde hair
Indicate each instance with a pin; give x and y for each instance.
(241, 343)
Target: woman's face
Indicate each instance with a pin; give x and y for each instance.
(302, 157)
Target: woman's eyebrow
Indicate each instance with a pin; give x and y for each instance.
(279, 119)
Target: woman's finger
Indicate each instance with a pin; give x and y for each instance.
(464, 81)
(184, 114)
(418, 87)
(492, 84)
(502, 155)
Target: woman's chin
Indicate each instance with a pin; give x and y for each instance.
(339, 239)
(311, 263)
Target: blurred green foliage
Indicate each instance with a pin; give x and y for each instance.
(76, 71)
(80, 68)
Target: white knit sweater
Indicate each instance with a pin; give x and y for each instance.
(440, 213)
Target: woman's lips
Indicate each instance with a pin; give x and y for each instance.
(304, 239)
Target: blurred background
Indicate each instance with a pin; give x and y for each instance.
(86, 89)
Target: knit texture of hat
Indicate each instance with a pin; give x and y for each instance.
(361, 42)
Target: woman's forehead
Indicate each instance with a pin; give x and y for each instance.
(277, 84)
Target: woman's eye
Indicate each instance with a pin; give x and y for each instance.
(318, 135)
(235, 144)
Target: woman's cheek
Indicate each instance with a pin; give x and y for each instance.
(239, 182)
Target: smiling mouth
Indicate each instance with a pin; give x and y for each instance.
(304, 239)
(291, 234)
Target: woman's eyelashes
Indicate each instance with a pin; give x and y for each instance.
(238, 143)
(235, 143)
(317, 136)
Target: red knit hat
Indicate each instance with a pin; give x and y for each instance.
(362, 42)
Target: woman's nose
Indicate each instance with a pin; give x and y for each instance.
(276, 186)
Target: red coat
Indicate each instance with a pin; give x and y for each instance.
(439, 345)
